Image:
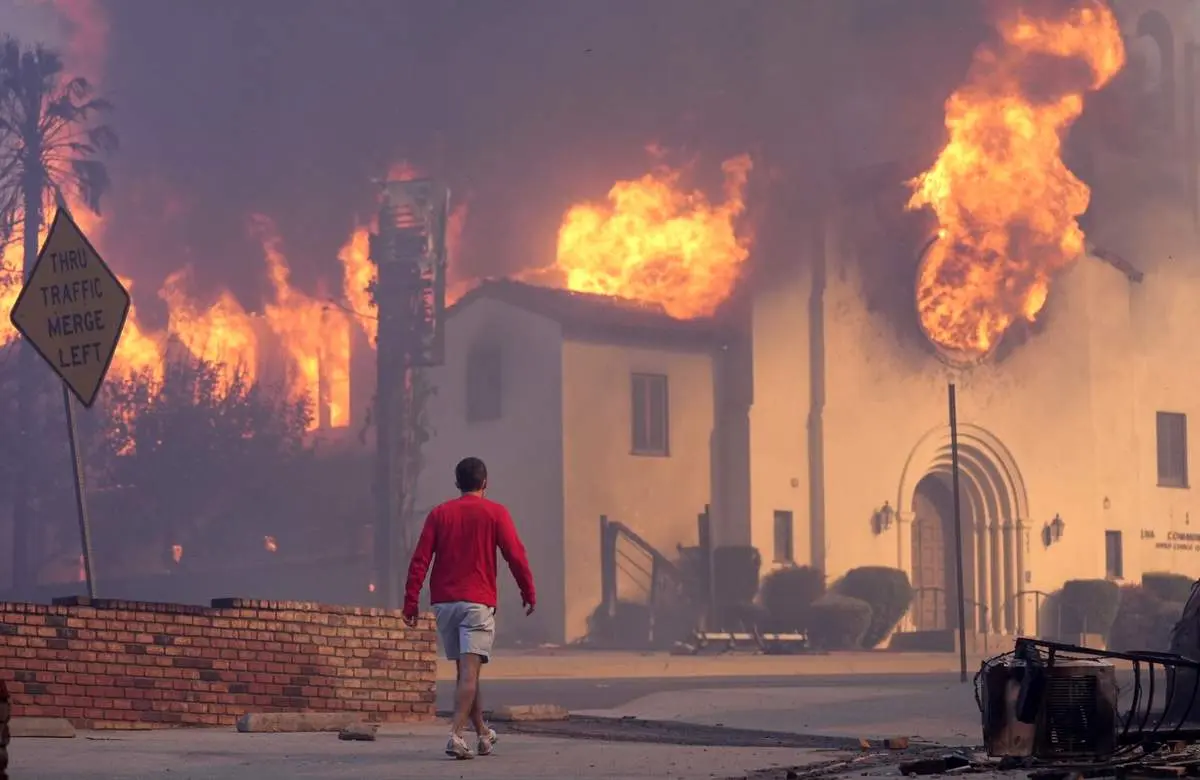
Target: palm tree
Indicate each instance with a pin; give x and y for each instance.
(50, 143)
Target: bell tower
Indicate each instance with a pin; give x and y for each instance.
(1163, 75)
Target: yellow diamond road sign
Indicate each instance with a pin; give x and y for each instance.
(72, 309)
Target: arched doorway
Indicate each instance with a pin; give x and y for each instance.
(992, 507)
(932, 555)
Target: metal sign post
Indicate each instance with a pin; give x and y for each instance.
(72, 310)
(958, 543)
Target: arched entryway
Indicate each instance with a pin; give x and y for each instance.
(993, 508)
(933, 555)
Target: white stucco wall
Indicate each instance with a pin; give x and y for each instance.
(523, 449)
(658, 497)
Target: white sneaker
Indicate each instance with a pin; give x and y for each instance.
(487, 742)
(458, 748)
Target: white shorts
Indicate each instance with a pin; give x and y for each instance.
(466, 627)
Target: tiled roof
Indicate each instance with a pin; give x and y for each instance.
(594, 316)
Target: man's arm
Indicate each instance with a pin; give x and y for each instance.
(417, 568)
(514, 554)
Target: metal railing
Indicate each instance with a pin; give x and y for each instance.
(940, 605)
(642, 564)
(1012, 607)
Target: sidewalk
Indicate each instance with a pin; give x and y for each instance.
(572, 664)
(212, 754)
(938, 712)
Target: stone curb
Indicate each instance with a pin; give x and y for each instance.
(296, 722)
(529, 712)
(48, 728)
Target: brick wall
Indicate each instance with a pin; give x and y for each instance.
(4, 735)
(124, 664)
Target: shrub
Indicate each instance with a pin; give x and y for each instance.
(627, 628)
(788, 594)
(1089, 606)
(1167, 586)
(837, 622)
(886, 590)
(1144, 621)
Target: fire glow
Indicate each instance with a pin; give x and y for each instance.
(313, 336)
(653, 241)
(657, 242)
(1005, 202)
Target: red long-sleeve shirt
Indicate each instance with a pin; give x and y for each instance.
(461, 537)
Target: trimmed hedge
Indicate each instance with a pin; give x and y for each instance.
(886, 590)
(1089, 606)
(838, 622)
(788, 594)
(1144, 621)
(1168, 586)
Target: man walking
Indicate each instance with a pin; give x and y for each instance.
(461, 538)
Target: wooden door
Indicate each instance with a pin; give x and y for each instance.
(929, 562)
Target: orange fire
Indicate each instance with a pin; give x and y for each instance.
(315, 335)
(358, 271)
(270, 545)
(222, 332)
(138, 352)
(657, 242)
(1005, 202)
(312, 335)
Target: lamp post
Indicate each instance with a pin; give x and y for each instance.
(409, 253)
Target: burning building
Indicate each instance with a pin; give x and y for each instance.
(812, 417)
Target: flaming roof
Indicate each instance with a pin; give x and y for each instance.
(596, 317)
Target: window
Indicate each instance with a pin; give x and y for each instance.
(783, 537)
(1114, 558)
(650, 410)
(484, 384)
(1172, 449)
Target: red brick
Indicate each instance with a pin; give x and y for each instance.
(133, 665)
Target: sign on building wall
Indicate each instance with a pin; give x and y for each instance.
(1178, 541)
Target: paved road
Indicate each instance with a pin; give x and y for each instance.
(610, 694)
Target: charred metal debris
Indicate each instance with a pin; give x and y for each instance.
(1066, 711)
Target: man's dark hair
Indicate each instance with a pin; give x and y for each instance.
(470, 475)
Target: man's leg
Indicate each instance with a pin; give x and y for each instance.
(449, 623)
(478, 635)
(465, 690)
(477, 705)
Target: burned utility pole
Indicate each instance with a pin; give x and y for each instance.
(409, 253)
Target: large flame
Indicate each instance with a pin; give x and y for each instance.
(315, 335)
(221, 332)
(1005, 202)
(312, 339)
(658, 242)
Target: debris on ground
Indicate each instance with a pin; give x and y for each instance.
(359, 732)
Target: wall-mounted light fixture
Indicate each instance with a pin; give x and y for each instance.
(1053, 531)
(883, 517)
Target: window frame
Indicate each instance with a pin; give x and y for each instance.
(789, 553)
(484, 384)
(642, 387)
(1171, 449)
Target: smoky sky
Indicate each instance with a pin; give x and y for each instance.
(289, 107)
